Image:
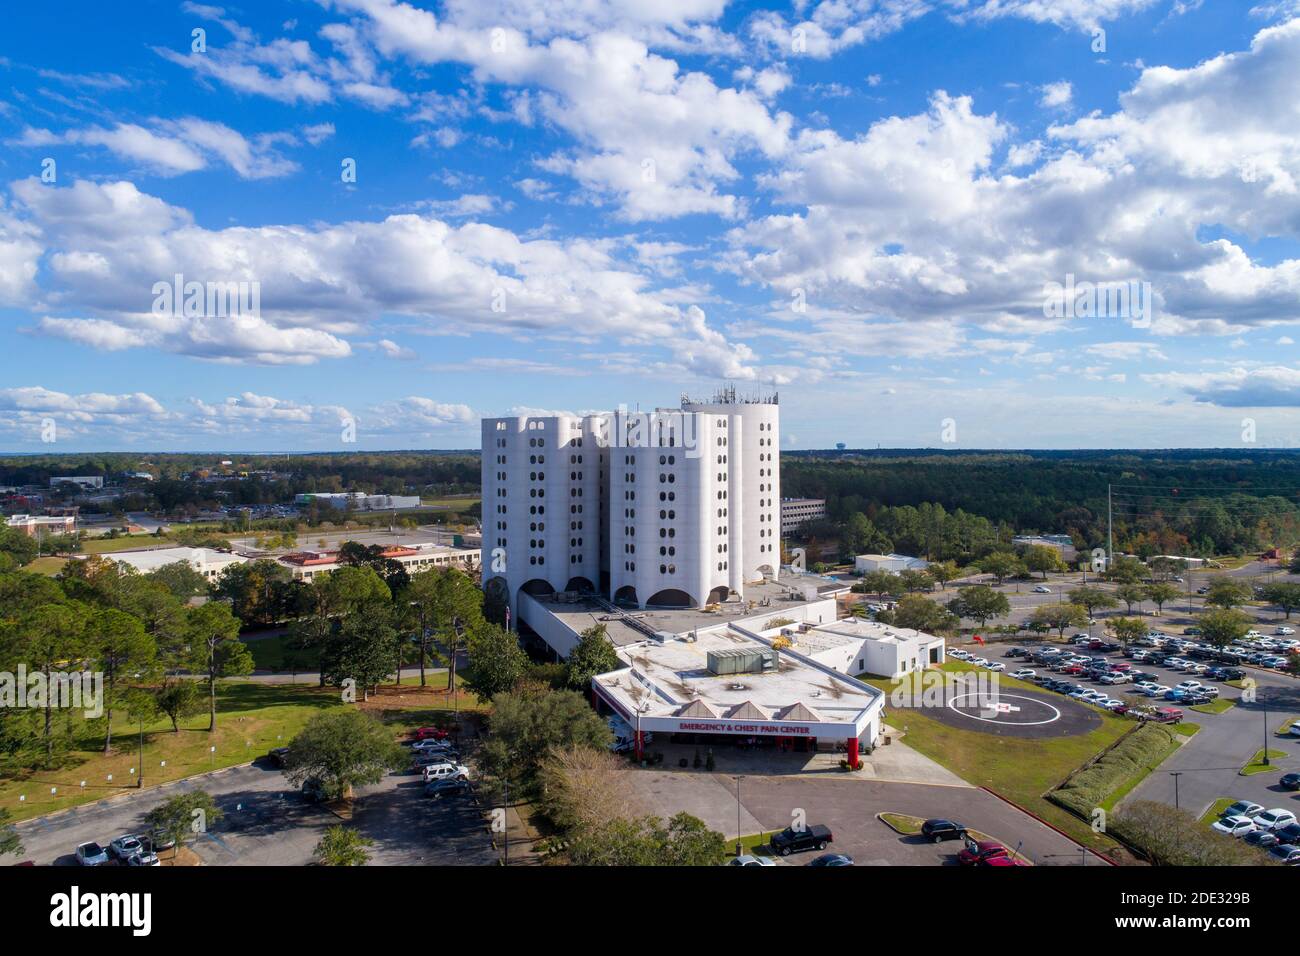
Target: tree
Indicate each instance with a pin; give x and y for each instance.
(583, 787)
(255, 590)
(1125, 569)
(448, 605)
(979, 602)
(1161, 593)
(920, 613)
(361, 650)
(178, 700)
(17, 545)
(1285, 595)
(496, 662)
(51, 635)
(684, 841)
(526, 725)
(342, 748)
(216, 650)
(1127, 629)
(119, 645)
(1173, 837)
(593, 654)
(10, 842)
(1090, 599)
(913, 579)
(1041, 558)
(1131, 594)
(183, 816)
(881, 583)
(1058, 617)
(943, 572)
(181, 579)
(1223, 626)
(1226, 593)
(341, 846)
(1001, 564)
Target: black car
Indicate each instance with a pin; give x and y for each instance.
(832, 859)
(1290, 781)
(790, 840)
(278, 756)
(1261, 838)
(1289, 834)
(937, 830)
(1284, 854)
(1017, 652)
(1233, 673)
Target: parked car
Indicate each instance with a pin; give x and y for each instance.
(1285, 854)
(938, 830)
(445, 771)
(1289, 834)
(1042, 589)
(746, 859)
(977, 853)
(278, 756)
(1290, 781)
(1242, 808)
(832, 859)
(1295, 729)
(1025, 673)
(451, 786)
(313, 790)
(1234, 826)
(436, 733)
(1275, 819)
(91, 854)
(1167, 715)
(1261, 838)
(125, 847)
(146, 856)
(790, 840)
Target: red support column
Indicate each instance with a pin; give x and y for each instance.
(640, 745)
(852, 743)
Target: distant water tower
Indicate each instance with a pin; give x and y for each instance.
(840, 446)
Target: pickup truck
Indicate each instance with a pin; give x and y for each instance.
(790, 840)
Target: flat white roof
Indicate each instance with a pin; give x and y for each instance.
(155, 558)
(665, 680)
(857, 628)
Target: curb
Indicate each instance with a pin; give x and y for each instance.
(1029, 813)
(128, 794)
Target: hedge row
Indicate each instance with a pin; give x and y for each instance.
(1089, 788)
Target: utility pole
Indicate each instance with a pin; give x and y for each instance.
(1110, 532)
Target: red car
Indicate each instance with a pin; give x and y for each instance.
(1000, 861)
(1167, 715)
(426, 733)
(978, 854)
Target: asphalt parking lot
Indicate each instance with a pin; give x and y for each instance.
(1208, 763)
(266, 823)
(850, 808)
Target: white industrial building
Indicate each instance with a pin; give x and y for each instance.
(209, 562)
(83, 481)
(37, 525)
(671, 508)
(358, 500)
(858, 646)
(866, 563)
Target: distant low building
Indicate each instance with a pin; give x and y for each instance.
(1058, 542)
(309, 565)
(208, 562)
(857, 646)
(32, 525)
(359, 500)
(796, 512)
(83, 481)
(866, 563)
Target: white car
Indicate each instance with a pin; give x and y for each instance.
(959, 654)
(996, 666)
(1157, 690)
(91, 854)
(746, 859)
(1243, 808)
(1189, 685)
(1236, 826)
(1285, 630)
(1024, 673)
(1275, 819)
(446, 771)
(1042, 589)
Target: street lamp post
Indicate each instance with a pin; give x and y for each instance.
(738, 779)
(1176, 774)
(1267, 762)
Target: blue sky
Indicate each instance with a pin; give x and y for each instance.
(574, 205)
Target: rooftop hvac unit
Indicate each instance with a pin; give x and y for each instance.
(741, 660)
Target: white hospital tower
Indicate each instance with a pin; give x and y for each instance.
(671, 508)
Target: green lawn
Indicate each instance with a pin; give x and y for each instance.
(1020, 769)
(1257, 764)
(252, 718)
(134, 542)
(273, 654)
(47, 566)
(1216, 809)
(1184, 728)
(1214, 706)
